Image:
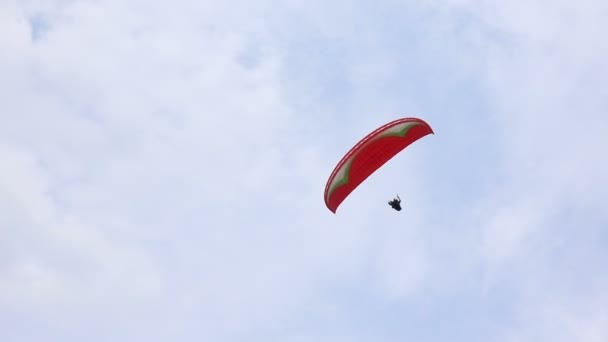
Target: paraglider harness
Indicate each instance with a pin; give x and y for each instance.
(396, 203)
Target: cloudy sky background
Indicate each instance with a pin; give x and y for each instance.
(163, 167)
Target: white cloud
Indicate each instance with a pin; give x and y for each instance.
(48, 258)
(546, 81)
(149, 153)
(163, 161)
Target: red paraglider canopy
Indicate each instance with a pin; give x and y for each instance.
(369, 154)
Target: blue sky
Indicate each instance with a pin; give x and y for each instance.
(163, 168)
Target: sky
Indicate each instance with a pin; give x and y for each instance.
(163, 168)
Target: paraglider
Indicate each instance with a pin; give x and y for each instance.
(369, 154)
(395, 203)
